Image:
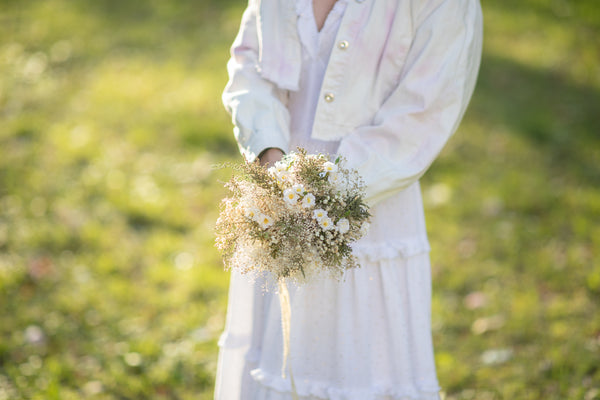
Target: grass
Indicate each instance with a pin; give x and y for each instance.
(110, 120)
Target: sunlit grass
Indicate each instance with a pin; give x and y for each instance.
(110, 121)
(552, 36)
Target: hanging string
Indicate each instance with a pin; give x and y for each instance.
(286, 318)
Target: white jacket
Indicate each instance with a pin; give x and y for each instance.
(396, 86)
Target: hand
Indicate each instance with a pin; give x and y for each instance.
(270, 156)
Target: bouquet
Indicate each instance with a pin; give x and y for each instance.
(295, 220)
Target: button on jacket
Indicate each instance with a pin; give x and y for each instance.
(396, 87)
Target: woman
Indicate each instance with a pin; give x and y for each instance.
(383, 83)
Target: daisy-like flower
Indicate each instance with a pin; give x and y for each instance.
(330, 167)
(290, 196)
(308, 201)
(278, 168)
(298, 188)
(252, 213)
(343, 225)
(319, 214)
(265, 221)
(334, 178)
(283, 176)
(326, 223)
(281, 166)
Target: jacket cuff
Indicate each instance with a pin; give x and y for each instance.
(260, 142)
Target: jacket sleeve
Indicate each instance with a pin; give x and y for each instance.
(423, 111)
(257, 105)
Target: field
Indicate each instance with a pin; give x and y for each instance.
(111, 121)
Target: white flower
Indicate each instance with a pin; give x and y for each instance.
(298, 188)
(364, 228)
(343, 225)
(330, 167)
(326, 223)
(264, 221)
(283, 176)
(252, 213)
(319, 214)
(277, 169)
(308, 201)
(289, 158)
(290, 196)
(280, 166)
(334, 178)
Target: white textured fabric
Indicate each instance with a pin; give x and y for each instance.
(316, 49)
(365, 338)
(393, 94)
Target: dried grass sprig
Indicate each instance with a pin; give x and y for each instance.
(295, 220)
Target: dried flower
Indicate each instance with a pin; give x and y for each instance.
(252, 213)
(334, 178)
(319, 214)
(308, 201)
(280, 220)
(290, 196)
(330, 167)
(364, 228)
(298, 188)
(326, 223)
(265, 221)
(343, 225)
(283, 176)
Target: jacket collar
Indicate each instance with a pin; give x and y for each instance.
(279, 46)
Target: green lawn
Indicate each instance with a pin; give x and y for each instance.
(110, 121)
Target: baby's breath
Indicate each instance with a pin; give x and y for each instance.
(294, 220)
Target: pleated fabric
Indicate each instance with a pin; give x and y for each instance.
(365, 337)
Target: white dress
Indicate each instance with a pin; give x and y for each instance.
(366, 337)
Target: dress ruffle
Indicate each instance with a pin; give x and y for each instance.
(367, 337)
(277, 388)
(374, 252)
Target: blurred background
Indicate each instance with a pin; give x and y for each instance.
(110, 120)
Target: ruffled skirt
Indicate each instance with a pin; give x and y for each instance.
(367, 337)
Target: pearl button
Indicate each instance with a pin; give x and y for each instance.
(343, 45)
(329, 97)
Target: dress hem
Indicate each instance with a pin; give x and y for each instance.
(325, 391)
